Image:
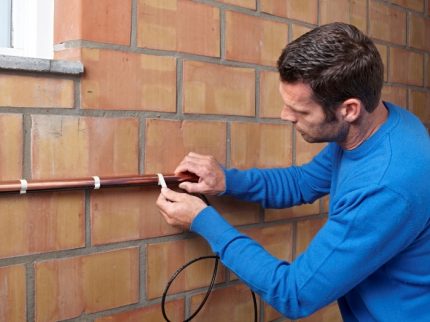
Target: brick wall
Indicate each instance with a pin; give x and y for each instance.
(163, 78)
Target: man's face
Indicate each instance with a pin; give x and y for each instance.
(308, 116)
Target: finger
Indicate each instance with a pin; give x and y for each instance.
(192, 187)
(171, 195)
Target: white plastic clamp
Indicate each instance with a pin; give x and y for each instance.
(24, 186)
(96, 182)
(161, 181)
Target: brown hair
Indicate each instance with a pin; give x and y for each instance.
(338, 62)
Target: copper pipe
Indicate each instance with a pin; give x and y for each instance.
(89, 183)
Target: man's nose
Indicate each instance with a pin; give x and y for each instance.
(288, 115)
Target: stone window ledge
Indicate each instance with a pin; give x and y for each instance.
(41, 65)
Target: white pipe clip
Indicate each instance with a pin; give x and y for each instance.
(96, 182)
(24, 186)
(161, 181)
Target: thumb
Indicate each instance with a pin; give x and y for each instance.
(170, 194)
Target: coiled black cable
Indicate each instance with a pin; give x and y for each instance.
(210, 287)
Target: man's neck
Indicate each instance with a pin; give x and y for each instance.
(365, 127)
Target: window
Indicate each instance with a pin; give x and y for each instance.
(26, 28)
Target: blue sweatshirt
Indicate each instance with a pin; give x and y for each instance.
(373, 253)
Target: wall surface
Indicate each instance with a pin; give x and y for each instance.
(163, 78)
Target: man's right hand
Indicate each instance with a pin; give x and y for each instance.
(210, 173)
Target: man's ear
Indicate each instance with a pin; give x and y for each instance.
(350, 110)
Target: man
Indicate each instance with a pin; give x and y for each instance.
(373, 253)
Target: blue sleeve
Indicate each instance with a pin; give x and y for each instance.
(283, 187)
(368, 229)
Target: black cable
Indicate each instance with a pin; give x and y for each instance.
(210, 287)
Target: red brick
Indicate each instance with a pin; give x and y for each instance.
(383, 51)
(126, 214)
(305, 151)
(235, 211)
(427, 71)
(295, 9)
(250, 148)
(419, 32)
(330, 313)
(277, 240)
(69, 146)
(41, 223)
(179, 25)
(387, 23)
(107, 21)
(174, 311)
(394, 94)
(348, 11)
(13, 294)
(11, 131)
(417, 5)
(167, 142)
(66, 288)
(296, 211)
(218, 89)
(128, 81)
(36, 91)
(298, 30)
(306, 230)
(270, 99)
(253, 39)
(233, 304)
(164, 259)
(406, 67)
(419, 104)
(241, 3)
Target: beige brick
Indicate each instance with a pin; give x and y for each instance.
(298, 30)
(107, 21)
(387, 23)
(34, 91)
(167, 142)
(260, 145)
(233, 303)
(296, 211)
(277, 240)
(69, 146)
(174, 311)
(270, 99)
(394, 94)
(306, 230)
(41, 223)
(419, 32)
(419, 104)
(406, 67)
(349, 11)
(179, 25)
(253, 39)
(295, 9)
(383, 51)
(417, 5)
(241, 3)
(164, 259)
(126, 214)
(305, 151)
(11, 131)
(218, 89)
(66, 288)
(330, 313)
(13, 294)
(128, 81)
(236, 212)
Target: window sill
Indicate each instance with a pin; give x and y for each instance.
(41, 65)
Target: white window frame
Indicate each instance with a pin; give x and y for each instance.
(31, 31)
